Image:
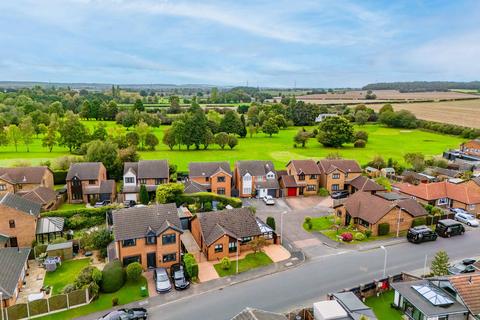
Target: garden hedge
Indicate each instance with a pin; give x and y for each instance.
(191, 266)
(419, 221)
(208, 197)
(383, 229)
(81, 218)
(113, 277)
(60, 177)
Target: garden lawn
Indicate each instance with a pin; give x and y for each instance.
(65, 274)
(251, 261)
(71, 206)
(130, 292)
(332, 234)
(381, 306)
(320, 223)
(387, 142)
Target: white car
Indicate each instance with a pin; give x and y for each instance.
(466, 218)
(269, 200)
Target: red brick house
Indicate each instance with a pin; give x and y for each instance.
(25, 179)
(87, 181)
(213, 177)
(305, 174)
(335, 175)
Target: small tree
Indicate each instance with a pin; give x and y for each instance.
(167, 193)
(270, 127)
(258, 244)
(232, 141)
(143, 195)
(221, 139)
(440, 264)
(134, 271)
(271, 222)
(225, 263)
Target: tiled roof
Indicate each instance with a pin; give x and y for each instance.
(207, 169)
(347, 166)
(84, 170)
(461, 192)
(105, 187)
(21, 204)
(40, 195)
(289, 181)
(305, 166)
(468, 287)
(362, 183)
(136, 222)
(237, 223)
(148, 169)
(23, 174)
(255, 167)
(12, 261)
(194, 187)
(256, 314)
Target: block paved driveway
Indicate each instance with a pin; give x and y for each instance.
(296, 209)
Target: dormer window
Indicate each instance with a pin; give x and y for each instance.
(129, 180)
(301, 176)
(151, 239)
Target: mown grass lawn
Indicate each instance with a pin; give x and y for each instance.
(65, 274)
(320, 223)
(130, 292)
(334, 235)
(381, 306)
(251, 261)
(383, 141)
(71, 206)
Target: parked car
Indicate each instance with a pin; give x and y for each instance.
(129, 203)
(162, 281)
(421, 234)
(126, 314)
(467, 218)
(269, 200)
(448, 227)
(177, 272)
(102, 203)
(458, 210)
(466, 266)
(340, 194)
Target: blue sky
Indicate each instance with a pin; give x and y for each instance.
(312, 43)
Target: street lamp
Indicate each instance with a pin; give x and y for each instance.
(385, 261)
(281, 227)
(238, 249)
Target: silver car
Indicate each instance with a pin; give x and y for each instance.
(269, 200)
(467, 218)
(162, 281)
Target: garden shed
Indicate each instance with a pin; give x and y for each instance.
(63, 250)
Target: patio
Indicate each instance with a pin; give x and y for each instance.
(34, 281)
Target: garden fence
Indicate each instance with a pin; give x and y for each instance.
(432, 220)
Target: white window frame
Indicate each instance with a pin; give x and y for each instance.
(442, 201)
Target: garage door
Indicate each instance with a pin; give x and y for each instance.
(292, 192)
(272, 192)
(130, 196)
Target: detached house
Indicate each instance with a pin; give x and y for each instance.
(213, 177)
(256, 178)
(87, 181)
(150, 173)
(220, 234)
(335, 175)
(302, 178)
(148, 235)
(25, 179)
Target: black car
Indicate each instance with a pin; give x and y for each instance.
(448, 227)
(126, 314)
(340, 194)
(466, 266)
(179, 278)
(129, 203)
(421, 234)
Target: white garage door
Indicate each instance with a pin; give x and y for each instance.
(130, 196)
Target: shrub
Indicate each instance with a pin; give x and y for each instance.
(114, 301)
(134, 271)
(271, 222)
(225, 263)
(360, 143)
(383, 229)
(308, 222)
(207, 206)
(203, 197)
(368, 233)
(322, 192)
(419, 222)
(361, 135)
(113, 276)
(69, 288)
(359, 236)
(191, 266)
(88, 275)
(81, 218)
(346, 236)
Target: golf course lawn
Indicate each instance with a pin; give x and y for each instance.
(387, 142)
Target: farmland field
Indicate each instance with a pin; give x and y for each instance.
(383, 141)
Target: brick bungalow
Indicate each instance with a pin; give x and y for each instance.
(213, 177)
(148, 235)
(336, 174)
(150, 173)
(306, 175)
(362, 183)
(465, 195)
(14, 265)
(87, 181)
(25, 179)
(369, 210)
(217, 233)
(46, 197)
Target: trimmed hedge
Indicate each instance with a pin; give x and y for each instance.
(81, 218)
(113, 276)
(419, 222)
(208, 197)
(59, 177)
(383, 229)
(191, 266)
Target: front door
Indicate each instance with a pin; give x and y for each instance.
(151, 260)
(347, 219)
(300, 191)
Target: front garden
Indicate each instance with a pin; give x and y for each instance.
(251, 261)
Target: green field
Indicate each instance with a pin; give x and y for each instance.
(387, 142)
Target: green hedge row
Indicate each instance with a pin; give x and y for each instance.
(453, 129)
(419, 222)
(59, 177)
(81, 218)
(191, 266)
(207, 197)
(383, 229)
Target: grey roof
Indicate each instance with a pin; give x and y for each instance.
(194, 187)
(23, 174)
(256, 314)
(391, 196)
(236, 223)
(49, 225)
(267, 184)
(12, 261)
(446, 172)
(353, 305)
(424, 305)
(84, 170)
(60, 246)
(105, 187)
(207, 169)
(21, 204)
(40, 195)
(148, 169)
(255, 167)
(136, 222)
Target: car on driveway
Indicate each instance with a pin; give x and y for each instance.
(100, 204)
(269, 200)
(340, 194)
(458, 210)
(421, 234)
(179, 278)
(448, 227)
(466, 266)
(126, 314)
(467, 218)
(162, 281)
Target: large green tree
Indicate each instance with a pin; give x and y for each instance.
(335, 131)
(270, 127)
(72, 132)
(231, 123)
(105, 152)
(28, 131)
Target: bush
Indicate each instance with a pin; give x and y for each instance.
(271, 222)
(225, 263)
(383, 229)
(69, 288)
(191, 266)
(419, 221)
(203, 197)
(368, 233)
(361, 135)
(59, 177)
(308, 222)
(360, 143)
(346, 237)
(322, 192)
(81, 218)
(359, 236)
(113, 277)
(207, 206)
(114, 301)
(134, 271)
(88, 275)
